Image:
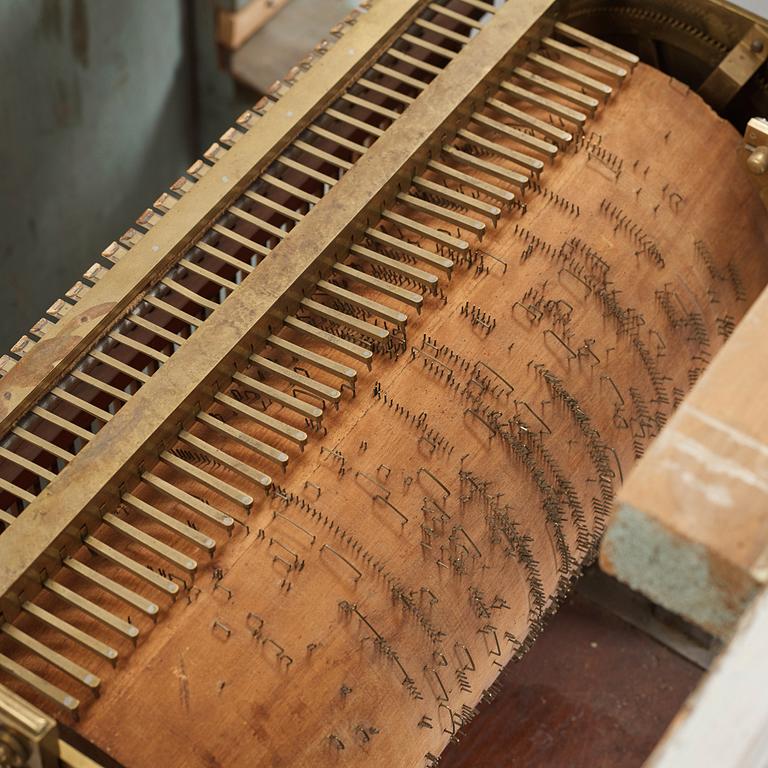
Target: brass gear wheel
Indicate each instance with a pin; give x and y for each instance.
(13, 752)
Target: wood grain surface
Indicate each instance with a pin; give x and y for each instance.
(365, 606)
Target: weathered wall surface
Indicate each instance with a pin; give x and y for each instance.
(94, 105)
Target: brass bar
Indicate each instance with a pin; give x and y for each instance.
(207, 274)
(317, 387)
(585, 58)
(212, 250)
(163, 244)
(113, 362)
(627, 58)
(53, 418)
(455, 15)
(412, 250)
(9, 487)
(354, 122)
(85, 605)
(255, 475)
(74, 670)
(152, 578)
(154, 412)
(355, 350)
(277, 426)
(426, 231)
(498, 193)
(394, 291)
(272, 205)
(83, 638)
(586, 102)
(384, 91)
(236, 237)
(552, 131)
(529, 163)
(415, 274)
(288, 401)
(414, 62)
(353, 146)
(258, 222)
(318, 360)
(481, 6)
(344, 319)
(151, 543)
(207, 479)
(323, 178)
(187, 294)
(83, 405)
(467, 201)
(444, 31)
(377, 108)
(485, 165)
(555, 107)
(179, 314)
(50, 691)
(326, 157)
(290, 189)
(420, 42)
(213, 514)
(145, 349)
(452, 217)
(117, 394)
(110, 585)
(256, 445)
(370, 306)
(171, 523)
(545, 147)
(45, 445)
(31, 466)
(148, 325)
(395, 75)
(586, 82)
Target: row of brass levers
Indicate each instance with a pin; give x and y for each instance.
(536, 114)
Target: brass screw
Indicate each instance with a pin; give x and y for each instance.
(13, 753)
(758, 161)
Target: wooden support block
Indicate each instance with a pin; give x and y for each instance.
(691, 528)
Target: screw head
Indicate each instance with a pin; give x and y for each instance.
(757, 46)
(12, 751)
(758, 161)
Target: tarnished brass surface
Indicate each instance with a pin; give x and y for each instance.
(689, 39)
(28, 737)
(756, 151)
(734, 71)
(120, 288)
(273, 290)
(241, 329)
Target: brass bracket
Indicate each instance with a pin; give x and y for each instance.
(733, 72)
(28, 738)
(756, 148)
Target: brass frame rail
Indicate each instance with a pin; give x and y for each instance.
(122, 286)
(272, 290)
